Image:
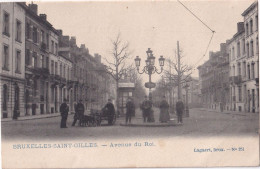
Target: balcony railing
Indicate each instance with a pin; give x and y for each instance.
(235, 79)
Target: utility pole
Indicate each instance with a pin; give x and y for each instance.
(170, 87)
(179, 72)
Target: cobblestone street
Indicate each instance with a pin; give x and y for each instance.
(200, 123)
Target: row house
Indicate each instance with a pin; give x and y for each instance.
(12, 72)
(89, 81)
(244, 63)
(214, 78)
(44, 68)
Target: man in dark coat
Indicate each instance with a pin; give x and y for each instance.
(179, 110)
(130, 110)
(79, 113)
(110, 110)
(146, 108)
(64, 110)
(164, 111)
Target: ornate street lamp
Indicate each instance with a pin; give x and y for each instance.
(149, 68)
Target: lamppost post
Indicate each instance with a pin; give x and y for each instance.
(149, 68)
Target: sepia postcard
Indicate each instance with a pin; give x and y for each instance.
(129, 84)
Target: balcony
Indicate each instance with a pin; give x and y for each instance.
(235, 79)
(43, 46)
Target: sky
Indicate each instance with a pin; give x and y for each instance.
(148, 24)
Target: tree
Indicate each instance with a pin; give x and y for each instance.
(117, 65)
(181, 72)
(139, 91)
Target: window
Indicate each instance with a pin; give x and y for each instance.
(6, 57)
(18, 62)
(47, 62)
(244, 68)
(239, 94)
(42, 36)
(41, 61)
(18, 35)
(239, 69)
(61, 69)
(64, 71)
(56, 49)
(27, 57)
(35, 37)
(252, 48)
(253, 70)
(238, 49)
(244, 46)
(56, 68)
(47, 41)
(257, 46)
(256, 22)
(6, 24)
(68, 74)
(5, 97)
(251, 26)
(247, 29)
(233, 53)
(52, 67)
(28, 31)
(248, 71)
(52, 46)
(247, 49)
(35, 59)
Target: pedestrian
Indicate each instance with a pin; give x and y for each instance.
(64, 110)
(130, 110)
(79, 113)
(164, 111)
(110, 110)
(179, 110)
(146, 109)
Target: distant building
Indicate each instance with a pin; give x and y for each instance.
(12, 51)
(214, 78)
(192, 89)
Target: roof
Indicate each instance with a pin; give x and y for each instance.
(250, 8)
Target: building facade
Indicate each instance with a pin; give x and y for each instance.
(244, 63)
(12, 70)
(214, 77)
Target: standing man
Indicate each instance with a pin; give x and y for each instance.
(64, 110)
(146, 108)
(130, 110)
(80, 109)
(179, 110)
(110, 110)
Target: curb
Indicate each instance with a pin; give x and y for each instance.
(32, 118)
(149, 125)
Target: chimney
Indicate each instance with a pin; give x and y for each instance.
(43, 17)
(73, 40)
(34, 8)
(82, 46)
(240, 27)
(97, 57)
(223, 47)
(59, 31)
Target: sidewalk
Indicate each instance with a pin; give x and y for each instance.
(230, 112)
(31, 117)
